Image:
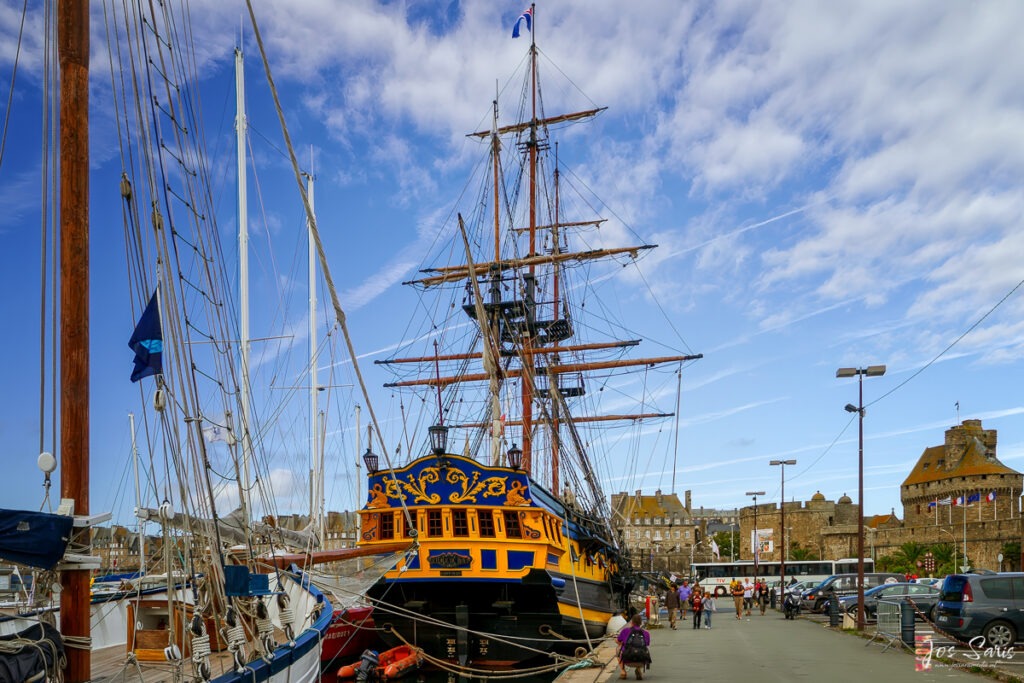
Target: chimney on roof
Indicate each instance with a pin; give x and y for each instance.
(687, 496)
(639, 497)
(658, 496)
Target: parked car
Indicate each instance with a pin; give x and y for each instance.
(797, 589)
(925, 598)
(839, 585)
(987, 605)
(930, 581)
(800, 586)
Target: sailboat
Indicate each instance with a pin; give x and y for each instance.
(517, 558)
(233, 606)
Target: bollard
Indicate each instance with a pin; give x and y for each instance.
(773, 599)
(907, 624)
(833, 610)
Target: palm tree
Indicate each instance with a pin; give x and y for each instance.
(1011, 556)
(909, 555)
(797, 554)
(945, 558)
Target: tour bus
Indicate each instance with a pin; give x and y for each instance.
(717, 575)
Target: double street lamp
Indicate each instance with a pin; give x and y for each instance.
(755, 544)
(859, 373)
(782, 524)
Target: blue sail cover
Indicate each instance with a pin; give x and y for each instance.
(37, 539)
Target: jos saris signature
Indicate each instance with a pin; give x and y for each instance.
(977, 652)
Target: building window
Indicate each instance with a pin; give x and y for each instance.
(460, 523)
(512, 528)
(486, 520)
(434, 527)
(387, 525)
(407, 528)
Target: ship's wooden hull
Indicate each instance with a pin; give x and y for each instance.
(504, 571)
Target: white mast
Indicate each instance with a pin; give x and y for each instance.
(359, 450)
(243, 272)
(138, 497)
(317, 502)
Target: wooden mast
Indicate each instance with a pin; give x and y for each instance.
(528, 295)
(553, 383)
(73, 51)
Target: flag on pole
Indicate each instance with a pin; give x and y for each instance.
(945, 501)
(526, 16)
(933, 503)
(973, 498)
(991, 497)
(219, 430)
(959, 500)
(147, 342)
(714, 550)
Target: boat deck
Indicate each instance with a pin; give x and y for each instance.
(112, 664)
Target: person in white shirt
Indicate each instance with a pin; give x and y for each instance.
(748, 594)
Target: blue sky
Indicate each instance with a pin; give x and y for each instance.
(829, 184)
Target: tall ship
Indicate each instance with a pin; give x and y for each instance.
(516, 556)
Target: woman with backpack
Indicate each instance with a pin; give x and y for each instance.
(634, 647)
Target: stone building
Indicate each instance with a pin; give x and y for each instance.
(965, 466)
(956, 491)
(825, 528)
(961, 493)
(658, 531)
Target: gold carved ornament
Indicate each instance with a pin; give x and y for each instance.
(490, 487)
(418, 488)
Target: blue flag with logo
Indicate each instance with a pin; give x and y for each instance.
(148, 343)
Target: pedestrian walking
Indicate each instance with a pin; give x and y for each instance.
(684, 598)
(710, 607)
(748, 595)
(697, 601)
(634, 648)
(736, 588)
(762, 597)
(672, 605)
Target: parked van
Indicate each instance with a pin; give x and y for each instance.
(987, 605)
(839, 585)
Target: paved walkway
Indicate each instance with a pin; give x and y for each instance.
(764, 649)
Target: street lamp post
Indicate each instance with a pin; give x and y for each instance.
(693, 546)
(782, 522)
(733, 528)
(753, 546)
(966, 567)
(859, 373)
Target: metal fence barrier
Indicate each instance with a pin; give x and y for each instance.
(890, 625)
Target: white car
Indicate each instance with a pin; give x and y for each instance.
(800, 586)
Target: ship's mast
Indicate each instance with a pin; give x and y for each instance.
(489, 354)
(243, 276)
(73, 51)
(553, 383)
(528, 329)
